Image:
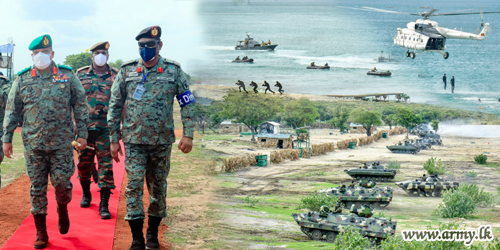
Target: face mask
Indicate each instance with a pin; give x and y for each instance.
(147, 54)
(100, 60)
(41, 60)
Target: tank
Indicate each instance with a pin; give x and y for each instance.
(324, 225)
(427, 186)
(420, 128)
(374, 171)
(404, 148)
(422, 143)
(365, 194)
(431, 137)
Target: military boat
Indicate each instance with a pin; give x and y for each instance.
(379, 73)
(250, 44)
(249, 60)
(318, 66)
(324, 225)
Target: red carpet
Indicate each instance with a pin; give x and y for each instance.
(87, 230)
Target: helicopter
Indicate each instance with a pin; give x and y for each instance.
(424, 35)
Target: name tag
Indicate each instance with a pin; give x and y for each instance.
(133, 79)
(185, 98)
(162, 78)
(133, 74)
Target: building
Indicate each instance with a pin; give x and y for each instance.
(284, 141)
(269, 128)
(230, 127)
(358, 129)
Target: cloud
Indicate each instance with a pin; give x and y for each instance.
(77, 25)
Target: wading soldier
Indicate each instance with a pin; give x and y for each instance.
(148, 86)
(97, 80)
(4, 94)
(45, 95)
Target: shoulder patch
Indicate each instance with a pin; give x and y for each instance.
(82, 68)
(172, 62)
(64, 67)
(23, 71)
(130, 62)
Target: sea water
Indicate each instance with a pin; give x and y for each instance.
(350, 40)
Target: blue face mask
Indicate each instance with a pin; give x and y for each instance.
(147, 54)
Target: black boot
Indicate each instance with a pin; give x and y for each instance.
(103, 206)
(62, 210)
(87, 196)
(42, 239)
(138, 237)
(152, 233)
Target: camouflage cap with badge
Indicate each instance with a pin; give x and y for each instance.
(41, 42)
(100, 45)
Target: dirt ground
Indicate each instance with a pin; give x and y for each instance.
(280, 186)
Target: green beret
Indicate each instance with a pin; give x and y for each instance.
(41, 42)
(101, 45)
(149, 32)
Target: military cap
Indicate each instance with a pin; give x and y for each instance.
(149, 32)
(101, 45)
(41, 42)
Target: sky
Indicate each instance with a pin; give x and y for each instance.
(76, 25)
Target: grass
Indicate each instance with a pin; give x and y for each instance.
(15, 167)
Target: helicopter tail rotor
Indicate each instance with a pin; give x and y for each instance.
(478, 30)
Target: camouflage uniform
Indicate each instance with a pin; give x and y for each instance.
(98, 92)
(45, 101)
(5, 85)
(148, 129)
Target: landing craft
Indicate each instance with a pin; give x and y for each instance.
(425, 35)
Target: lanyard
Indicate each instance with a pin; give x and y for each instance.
(144, 77)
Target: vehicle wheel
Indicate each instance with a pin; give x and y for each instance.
(358, 178)
(412, 55)
(316, 234)
(331, 236)
(446, 55)
(407, 54)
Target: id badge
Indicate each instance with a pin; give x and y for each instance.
(139, 91)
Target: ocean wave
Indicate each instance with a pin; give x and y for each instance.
(218, 47)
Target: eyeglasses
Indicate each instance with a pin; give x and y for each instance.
(150, 44)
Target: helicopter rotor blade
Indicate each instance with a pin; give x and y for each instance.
(470, 13)
(388, 11)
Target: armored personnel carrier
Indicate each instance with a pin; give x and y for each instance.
(422, 143)
(427, 186)
(365, 193)
(404, 148)
(325, 224)
(374, 171)
(431, 137)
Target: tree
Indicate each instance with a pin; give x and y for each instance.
(116, 64)
(78, 60)
(340, 117)
(201, 115)
(300, 112)
(408, 119)
(324, 112)
(250, 109)
(366, 118)
(389, 116)
(435, 125)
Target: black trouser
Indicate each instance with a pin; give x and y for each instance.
(444, 85)
(452, 88)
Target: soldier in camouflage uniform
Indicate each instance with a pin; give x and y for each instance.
(268, 87)
(148, 87)
(97, 80)
(46, 95)
(5, 85)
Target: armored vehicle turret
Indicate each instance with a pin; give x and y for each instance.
(427, 186)
(324, 225)
(374, 171)
(365, 194)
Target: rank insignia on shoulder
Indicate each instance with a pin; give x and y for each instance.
(60, 78)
